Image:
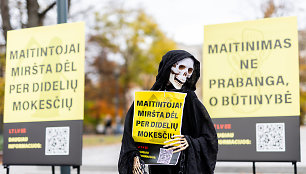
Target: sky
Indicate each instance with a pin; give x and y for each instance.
(181, 20)
(184, 20)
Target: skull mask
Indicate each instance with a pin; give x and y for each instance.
(180, 71)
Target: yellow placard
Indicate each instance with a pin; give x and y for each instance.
(157, 116)
(45, 74)
(251, 68)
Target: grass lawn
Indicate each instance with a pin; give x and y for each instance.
(98, 140)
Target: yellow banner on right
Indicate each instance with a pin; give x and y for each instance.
(251, 69)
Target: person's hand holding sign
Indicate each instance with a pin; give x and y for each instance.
(179, 143)
(137, 167)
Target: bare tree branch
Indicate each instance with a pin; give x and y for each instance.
(269, 9)
(43, 13)
(6, 22)
(69, 5)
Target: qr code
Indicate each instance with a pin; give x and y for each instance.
(270, 137)
(165, 156)
(57, 141)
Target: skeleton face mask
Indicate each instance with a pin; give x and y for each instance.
(180, 71)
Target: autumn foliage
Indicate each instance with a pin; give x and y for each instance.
(129, 46)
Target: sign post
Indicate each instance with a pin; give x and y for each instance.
(251, 89)
(62, 12)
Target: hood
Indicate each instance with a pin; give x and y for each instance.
(164, 70)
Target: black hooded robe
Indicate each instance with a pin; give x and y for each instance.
(200, 157)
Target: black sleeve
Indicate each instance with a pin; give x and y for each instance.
(128, 147)
(202, 150)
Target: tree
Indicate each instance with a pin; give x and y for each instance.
(99, 96)
(273, 8)
(35, 15)
(270, 8)
(136, 38)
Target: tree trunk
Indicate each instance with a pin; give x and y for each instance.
(6, 23)
(33, 15)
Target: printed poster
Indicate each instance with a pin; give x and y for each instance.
(157, 116)
(251, 88)
(44, 95)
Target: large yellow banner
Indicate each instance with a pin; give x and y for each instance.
(45, 74)
(157, 116)
(251, 68)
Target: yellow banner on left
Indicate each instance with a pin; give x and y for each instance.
(157, 116)
(45, 74)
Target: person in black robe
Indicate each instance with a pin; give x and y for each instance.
(201, 154)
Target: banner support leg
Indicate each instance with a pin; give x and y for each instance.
(78, 169)
(294, 166)
(254, 168)
(65, 170)
(7, 167)
(53, 169)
